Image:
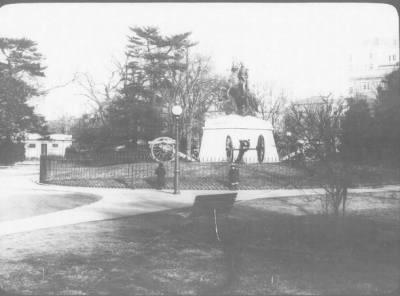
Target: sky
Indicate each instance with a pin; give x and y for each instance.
(300, 48)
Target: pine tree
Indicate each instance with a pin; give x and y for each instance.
(387, 116)
(20, 65)
(153, 71)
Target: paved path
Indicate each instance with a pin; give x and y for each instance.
(116, 203)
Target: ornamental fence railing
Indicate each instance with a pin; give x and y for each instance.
(137, 170)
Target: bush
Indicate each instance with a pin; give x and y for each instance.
(11, 153)
(110, 157)
(71, 153)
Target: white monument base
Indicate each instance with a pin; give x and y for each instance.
(216, 131)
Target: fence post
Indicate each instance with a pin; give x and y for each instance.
(43, 166)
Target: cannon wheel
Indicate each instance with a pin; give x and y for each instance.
(162, 149)
(260, 148)
(229, 148)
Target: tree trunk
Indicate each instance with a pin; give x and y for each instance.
(189, 136)
(336, 200)
(344, 200)
(336, 211)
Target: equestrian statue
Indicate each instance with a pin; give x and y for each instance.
(238, 91)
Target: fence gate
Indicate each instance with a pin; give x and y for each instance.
(43, 150)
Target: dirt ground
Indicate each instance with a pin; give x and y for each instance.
(265, 246)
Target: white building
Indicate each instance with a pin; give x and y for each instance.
(54, 144)
(369, 63)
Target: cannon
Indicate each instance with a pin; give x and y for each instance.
(162, 149)
(244, 146)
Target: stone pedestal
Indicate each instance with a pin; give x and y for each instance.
(216, 131)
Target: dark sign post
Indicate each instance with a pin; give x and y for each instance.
(214, 211)
(43, 167)
(207, 205)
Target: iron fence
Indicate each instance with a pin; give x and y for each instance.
(133, 170)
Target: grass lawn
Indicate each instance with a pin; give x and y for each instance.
(267, 246)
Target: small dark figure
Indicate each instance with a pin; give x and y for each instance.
(160, 173)
(234, 177)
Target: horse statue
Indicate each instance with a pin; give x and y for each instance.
(238, 91)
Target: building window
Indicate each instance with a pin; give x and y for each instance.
(32, 146)
(55, 145)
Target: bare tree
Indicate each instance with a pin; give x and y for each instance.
(195, 89)
(100, 95)
(318, 126)
(62, 85)
(200, 93)
(63, 124)
(271, 105)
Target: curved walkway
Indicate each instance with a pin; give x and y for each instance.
(117, 203)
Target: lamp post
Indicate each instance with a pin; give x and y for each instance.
(288, 135)
(176, 111)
